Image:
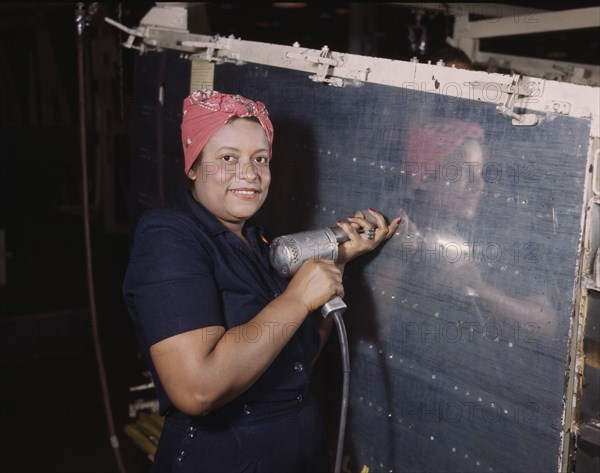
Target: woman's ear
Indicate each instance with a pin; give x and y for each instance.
(192, 174)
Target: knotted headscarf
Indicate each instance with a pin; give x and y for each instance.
(432, 142)
(206, 111)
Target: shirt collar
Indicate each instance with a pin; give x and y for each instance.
(210, 223)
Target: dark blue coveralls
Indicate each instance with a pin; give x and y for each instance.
(188, 271)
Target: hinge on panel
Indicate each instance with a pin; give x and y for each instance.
(514, 91)
(325, 60)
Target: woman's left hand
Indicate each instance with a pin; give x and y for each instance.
(363, 235)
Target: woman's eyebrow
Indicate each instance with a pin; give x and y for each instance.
(233, 148)
(227, 148)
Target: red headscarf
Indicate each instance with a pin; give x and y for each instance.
(430, 143)
(206, 111)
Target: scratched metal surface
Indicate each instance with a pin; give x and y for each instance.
(459, 326)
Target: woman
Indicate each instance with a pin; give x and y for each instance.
(230, 345)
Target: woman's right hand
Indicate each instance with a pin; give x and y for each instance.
(316, 282)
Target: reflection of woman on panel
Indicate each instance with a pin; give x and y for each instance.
(230, 344)
(446, 159)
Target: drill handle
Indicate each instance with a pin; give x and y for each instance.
(335, 304)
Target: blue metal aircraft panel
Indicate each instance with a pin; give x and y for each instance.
(459, 325)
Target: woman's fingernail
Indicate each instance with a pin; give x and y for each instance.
(352, 216)
(372, 209)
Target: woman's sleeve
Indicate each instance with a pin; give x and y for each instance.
(170, 287)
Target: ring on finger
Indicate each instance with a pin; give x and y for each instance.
(370, 233)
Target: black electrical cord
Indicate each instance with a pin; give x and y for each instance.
(343, 340)
(80, 23)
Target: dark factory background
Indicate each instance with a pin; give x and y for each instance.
(54, 412)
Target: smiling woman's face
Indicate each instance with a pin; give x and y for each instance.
(232, 178)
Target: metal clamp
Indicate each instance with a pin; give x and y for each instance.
(218, 50)
(208, 55)
(139, 32)
(513, 90)
(325, 60)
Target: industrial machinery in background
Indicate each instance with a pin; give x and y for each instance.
(145, 423)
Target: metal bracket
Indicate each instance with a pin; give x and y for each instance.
(561, 107)
(596, 173)
(139, 32)
(516, 89)
(592, 281)
(209, 46)
(217, 44)
(325, 60)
